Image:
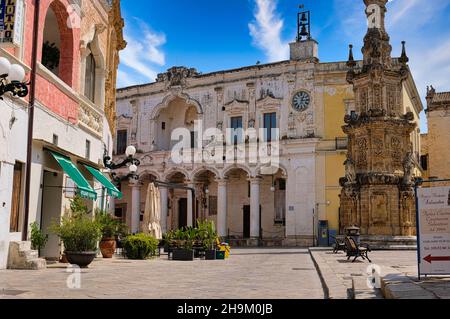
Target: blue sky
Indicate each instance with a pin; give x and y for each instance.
(213, 35)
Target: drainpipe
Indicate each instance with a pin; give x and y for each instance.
(37, 4)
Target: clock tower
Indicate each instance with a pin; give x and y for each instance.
(377, 191)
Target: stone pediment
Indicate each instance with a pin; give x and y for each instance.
(236, 105)
(269, 101)
(124, 120)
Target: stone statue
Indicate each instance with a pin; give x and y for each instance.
(408, 166)
(350, 170)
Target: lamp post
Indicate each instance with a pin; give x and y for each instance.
(130, 161)
(12, 78)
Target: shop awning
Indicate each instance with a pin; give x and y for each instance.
(84, 189)
(112, 190)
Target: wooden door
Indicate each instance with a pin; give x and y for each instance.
(16, 198)
(182, 213)
(246, 222)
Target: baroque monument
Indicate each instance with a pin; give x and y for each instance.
(378, 189)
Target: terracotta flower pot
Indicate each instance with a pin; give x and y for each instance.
(108, 247)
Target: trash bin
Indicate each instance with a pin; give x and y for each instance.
(354, 232)
(323, 233)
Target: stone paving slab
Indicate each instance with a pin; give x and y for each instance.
(248, 274)
(399, 278)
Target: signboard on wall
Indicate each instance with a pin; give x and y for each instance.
(11, 22)
(434, 230)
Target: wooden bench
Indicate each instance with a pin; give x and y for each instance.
(339, 245)
(355, 250)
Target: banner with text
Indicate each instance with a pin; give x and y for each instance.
(11, 22)
(434, 229)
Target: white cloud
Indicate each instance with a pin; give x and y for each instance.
(266, 31)
(143, 55)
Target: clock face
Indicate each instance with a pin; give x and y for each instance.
(301, 101)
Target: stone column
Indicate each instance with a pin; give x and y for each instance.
(222, 208)
(112, 205)
(135, 206)
(164, 208)
(255, 223)
(190, 203)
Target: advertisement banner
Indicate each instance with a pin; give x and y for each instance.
(11, 22)
(434, 230)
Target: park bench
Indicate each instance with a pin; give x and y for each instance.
(339, 245)
(355, 250)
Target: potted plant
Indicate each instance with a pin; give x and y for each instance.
(167, 239)
(209, 239)
(110, 228)
(140, 246)
(38, 239)
(185, 245)
(80, 234)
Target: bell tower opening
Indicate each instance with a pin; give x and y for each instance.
(305, 48)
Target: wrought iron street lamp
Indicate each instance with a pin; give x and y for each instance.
(130, 161)
(12, 78)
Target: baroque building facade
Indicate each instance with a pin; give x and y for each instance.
(436, 143)
(77, 59)
(384, 145)
(305, 99)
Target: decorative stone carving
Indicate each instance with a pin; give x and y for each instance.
(91, 118)
(177, 76)
(350, 170)
(362, 156)
(409, 167)
(146, 160)
(380, 209)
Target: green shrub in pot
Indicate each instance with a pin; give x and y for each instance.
(80, 234)
(140, 246)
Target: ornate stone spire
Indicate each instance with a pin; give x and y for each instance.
(377, 192)
(377, 50)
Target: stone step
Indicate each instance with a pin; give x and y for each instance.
(36, 264)
(361, 290)
(22, 257)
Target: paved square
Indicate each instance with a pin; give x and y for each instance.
(249, 273)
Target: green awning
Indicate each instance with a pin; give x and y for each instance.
(84, 189)
(112, 190)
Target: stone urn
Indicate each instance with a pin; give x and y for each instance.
(108, 247)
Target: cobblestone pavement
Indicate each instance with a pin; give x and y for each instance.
(398, 276)
(249, 273)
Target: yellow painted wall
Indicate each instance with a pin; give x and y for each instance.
(334, 105)
(334, 171)
(334, 114)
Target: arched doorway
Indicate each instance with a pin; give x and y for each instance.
(178, 207)
(238, 203)
(206, 192)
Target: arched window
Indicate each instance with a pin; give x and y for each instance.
(51, 49)
(58, 42)
(90, 78)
